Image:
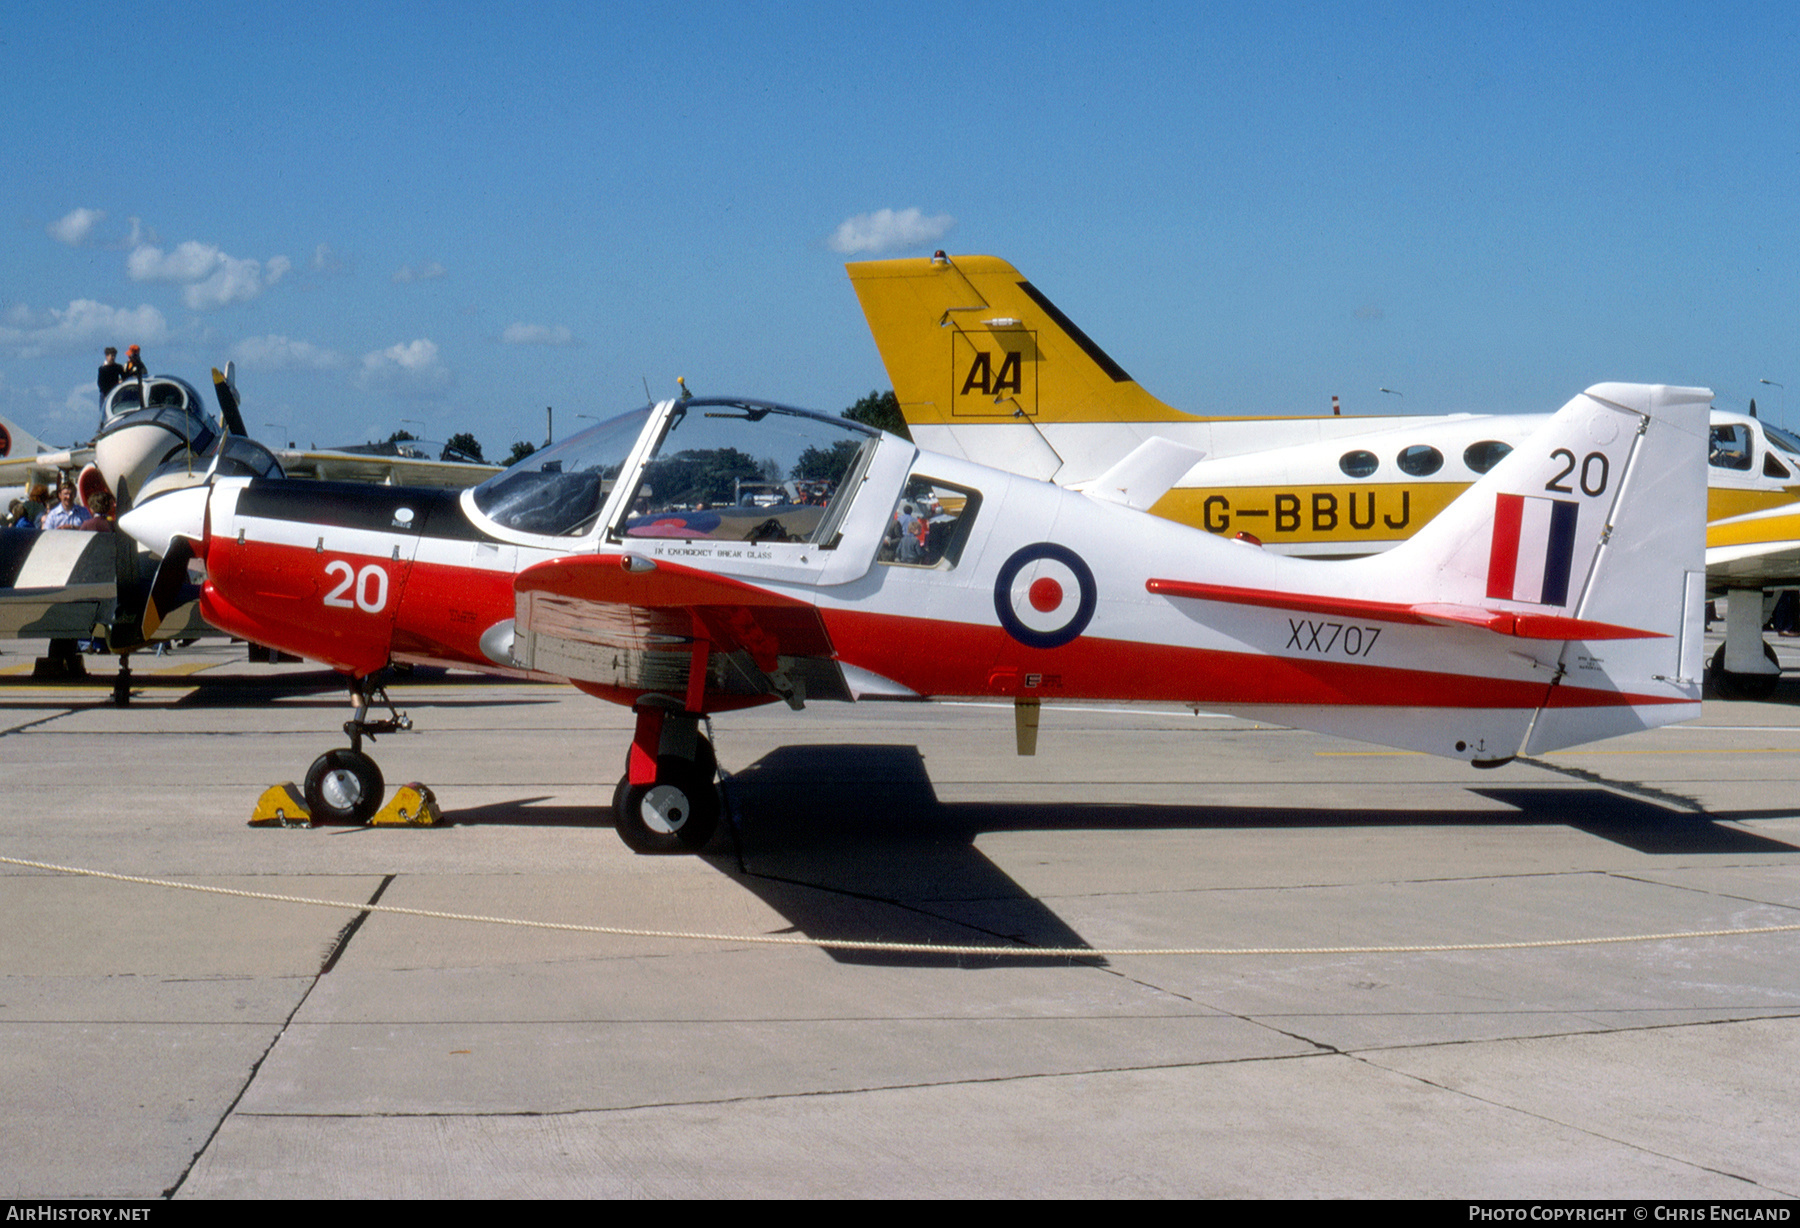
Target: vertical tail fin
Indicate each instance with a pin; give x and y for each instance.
(16, 443)
(1592, 533)
(968, 340)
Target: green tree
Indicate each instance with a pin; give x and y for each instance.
(700, 475)
(825, 464)
(400, 436)
(520, 450)
(463, 445)
(880, 410)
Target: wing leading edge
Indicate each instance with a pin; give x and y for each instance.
(625, 623)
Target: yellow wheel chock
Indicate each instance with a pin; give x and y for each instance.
(413, 805)
(282, 805)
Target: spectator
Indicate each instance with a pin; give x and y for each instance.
(67, 514)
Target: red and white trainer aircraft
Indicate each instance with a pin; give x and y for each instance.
(1555, 602)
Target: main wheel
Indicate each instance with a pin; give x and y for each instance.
(676, 814)
(343, 786)
(1728, 685)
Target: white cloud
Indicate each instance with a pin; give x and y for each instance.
(82, 324)
(234, 281)
(277, 353)
(82, 404)
(407, 355)
(48, 414)
(537, 334)
(431, 270)
(886, 230)
(74, 227)
(324, 260)
(189, 262)
(212, 278)
(410, 368)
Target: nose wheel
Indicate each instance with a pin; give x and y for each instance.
(345, 785)
(668, 799)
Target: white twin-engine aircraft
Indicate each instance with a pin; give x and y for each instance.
(985, 366)
(1557, 601)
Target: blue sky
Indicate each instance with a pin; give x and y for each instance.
(448, 217)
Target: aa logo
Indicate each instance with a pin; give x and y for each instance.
(994, 375)
(982, 378)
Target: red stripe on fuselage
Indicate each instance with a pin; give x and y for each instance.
(944, 659)
(439, 611)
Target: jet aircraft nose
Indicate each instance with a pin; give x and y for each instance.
(156, 522)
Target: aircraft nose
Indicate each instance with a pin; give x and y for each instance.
(179, 513)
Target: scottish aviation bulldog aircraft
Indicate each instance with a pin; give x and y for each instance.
(986, 367)
(1557, 602)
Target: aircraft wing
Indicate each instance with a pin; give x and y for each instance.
(625, 622)
(333, 465)
(64, 583)
(54, 584)
(1760, 549)
(44, 466)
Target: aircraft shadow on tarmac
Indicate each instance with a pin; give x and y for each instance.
(851, 841)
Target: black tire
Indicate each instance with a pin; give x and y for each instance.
(1729, 685)
(676, 814)
(344, 786)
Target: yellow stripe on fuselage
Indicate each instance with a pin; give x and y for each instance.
(1376, 512)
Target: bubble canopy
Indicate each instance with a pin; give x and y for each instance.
(677, 458)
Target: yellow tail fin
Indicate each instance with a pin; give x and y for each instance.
(966, 339)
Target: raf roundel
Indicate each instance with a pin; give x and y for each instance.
(1045, 595)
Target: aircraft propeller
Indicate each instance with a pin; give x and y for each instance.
(225, 387)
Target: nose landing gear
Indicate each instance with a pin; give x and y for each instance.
(345, 786)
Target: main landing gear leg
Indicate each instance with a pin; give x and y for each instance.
(668, 799)
(345, 786)
(1745, 666)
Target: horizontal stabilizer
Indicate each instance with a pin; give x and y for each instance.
(1502, 622)
(1145, 474)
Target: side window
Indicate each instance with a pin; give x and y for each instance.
(1773, 468)
(1482, 456)
(1358, 464)
(930, 524)
(1730, 447)
(1420, 460)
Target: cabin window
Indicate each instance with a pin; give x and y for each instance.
(1482, 456)
(1773, 468)
(1358, 464)
(558, 492)
(748, 471)
(1421, 460)
(930, 524)
(1729, 447)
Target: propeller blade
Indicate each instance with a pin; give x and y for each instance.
(128, 581)
(225, 387)
(169, 589)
